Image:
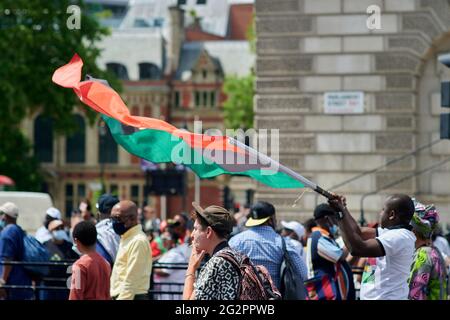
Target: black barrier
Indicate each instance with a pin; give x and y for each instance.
(40, 285)
(157, 291)
(166, 290)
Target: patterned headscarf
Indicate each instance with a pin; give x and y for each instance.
(425, 219)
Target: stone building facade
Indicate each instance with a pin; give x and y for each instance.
(306, 48)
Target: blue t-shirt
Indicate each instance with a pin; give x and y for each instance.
(11, 247)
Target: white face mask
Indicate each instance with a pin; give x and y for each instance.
(74, 248)
(60, 235)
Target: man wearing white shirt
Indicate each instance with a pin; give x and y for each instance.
(390, 248)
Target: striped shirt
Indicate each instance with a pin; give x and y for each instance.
(264, 247)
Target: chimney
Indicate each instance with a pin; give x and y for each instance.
(176, 37)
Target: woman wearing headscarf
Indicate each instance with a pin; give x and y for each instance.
(428, 278)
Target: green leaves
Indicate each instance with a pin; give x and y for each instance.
(35, 41)
(238, 108)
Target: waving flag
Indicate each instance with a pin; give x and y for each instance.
(158, 141)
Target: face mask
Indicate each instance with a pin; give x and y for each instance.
(60, 235)
(2, 224)
(334, 229)
(74, 248)
(119, 227)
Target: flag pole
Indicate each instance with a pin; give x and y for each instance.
(287, 170)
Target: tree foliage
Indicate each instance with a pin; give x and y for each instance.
(35, 40)
(238, 108)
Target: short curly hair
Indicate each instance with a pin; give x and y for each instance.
(86, 233)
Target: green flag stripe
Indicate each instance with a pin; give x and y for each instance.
(157, 146)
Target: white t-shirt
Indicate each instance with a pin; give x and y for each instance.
(386, 278)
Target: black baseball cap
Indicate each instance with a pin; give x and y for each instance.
(217, 217)
(260, 212)
(323, 210)
(106, 202)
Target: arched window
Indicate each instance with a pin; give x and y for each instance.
(76, 143)
(149, 71)
(43, 138)
(118, 69)
(107, 146)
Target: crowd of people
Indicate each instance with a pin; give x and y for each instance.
(218, 255)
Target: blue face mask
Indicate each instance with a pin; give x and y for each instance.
(334, 229)
(60, 235)
(119, 227)
(2, 224)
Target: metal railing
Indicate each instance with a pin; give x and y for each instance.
(42, 285)
(159, 288)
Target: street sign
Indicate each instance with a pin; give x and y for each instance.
(344, 102)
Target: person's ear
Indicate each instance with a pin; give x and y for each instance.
(391, 215)
(209, 232)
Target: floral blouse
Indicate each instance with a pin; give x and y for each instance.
(428, 278)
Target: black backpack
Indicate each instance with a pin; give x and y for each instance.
(292, 286)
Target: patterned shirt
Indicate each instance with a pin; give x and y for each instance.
(264, 247)
(218, 279)
(427, 280)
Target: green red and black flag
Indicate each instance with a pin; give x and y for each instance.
(158, 141)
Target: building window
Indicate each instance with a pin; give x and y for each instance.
(205, 99)
(181, 2)
(69, 199)
(81, 191)
(149, 71)
(201, 1)
(43, 138)
(134, 192)
(205, 74)
(118, 69)
(114, 189)
(197, 99)
(213, 98)
(76, 143)
(177, 98)
(72, 199)
(107, 146)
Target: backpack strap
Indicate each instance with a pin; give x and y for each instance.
(228, 256)
(286, 256)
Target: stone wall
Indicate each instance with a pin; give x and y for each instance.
(306, 48)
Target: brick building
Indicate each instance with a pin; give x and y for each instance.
(170, 69)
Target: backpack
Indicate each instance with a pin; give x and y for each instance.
(255, 281)
(292, 286)
(34, 251)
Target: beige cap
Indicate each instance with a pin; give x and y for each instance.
(9, 209)
(217, 217)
